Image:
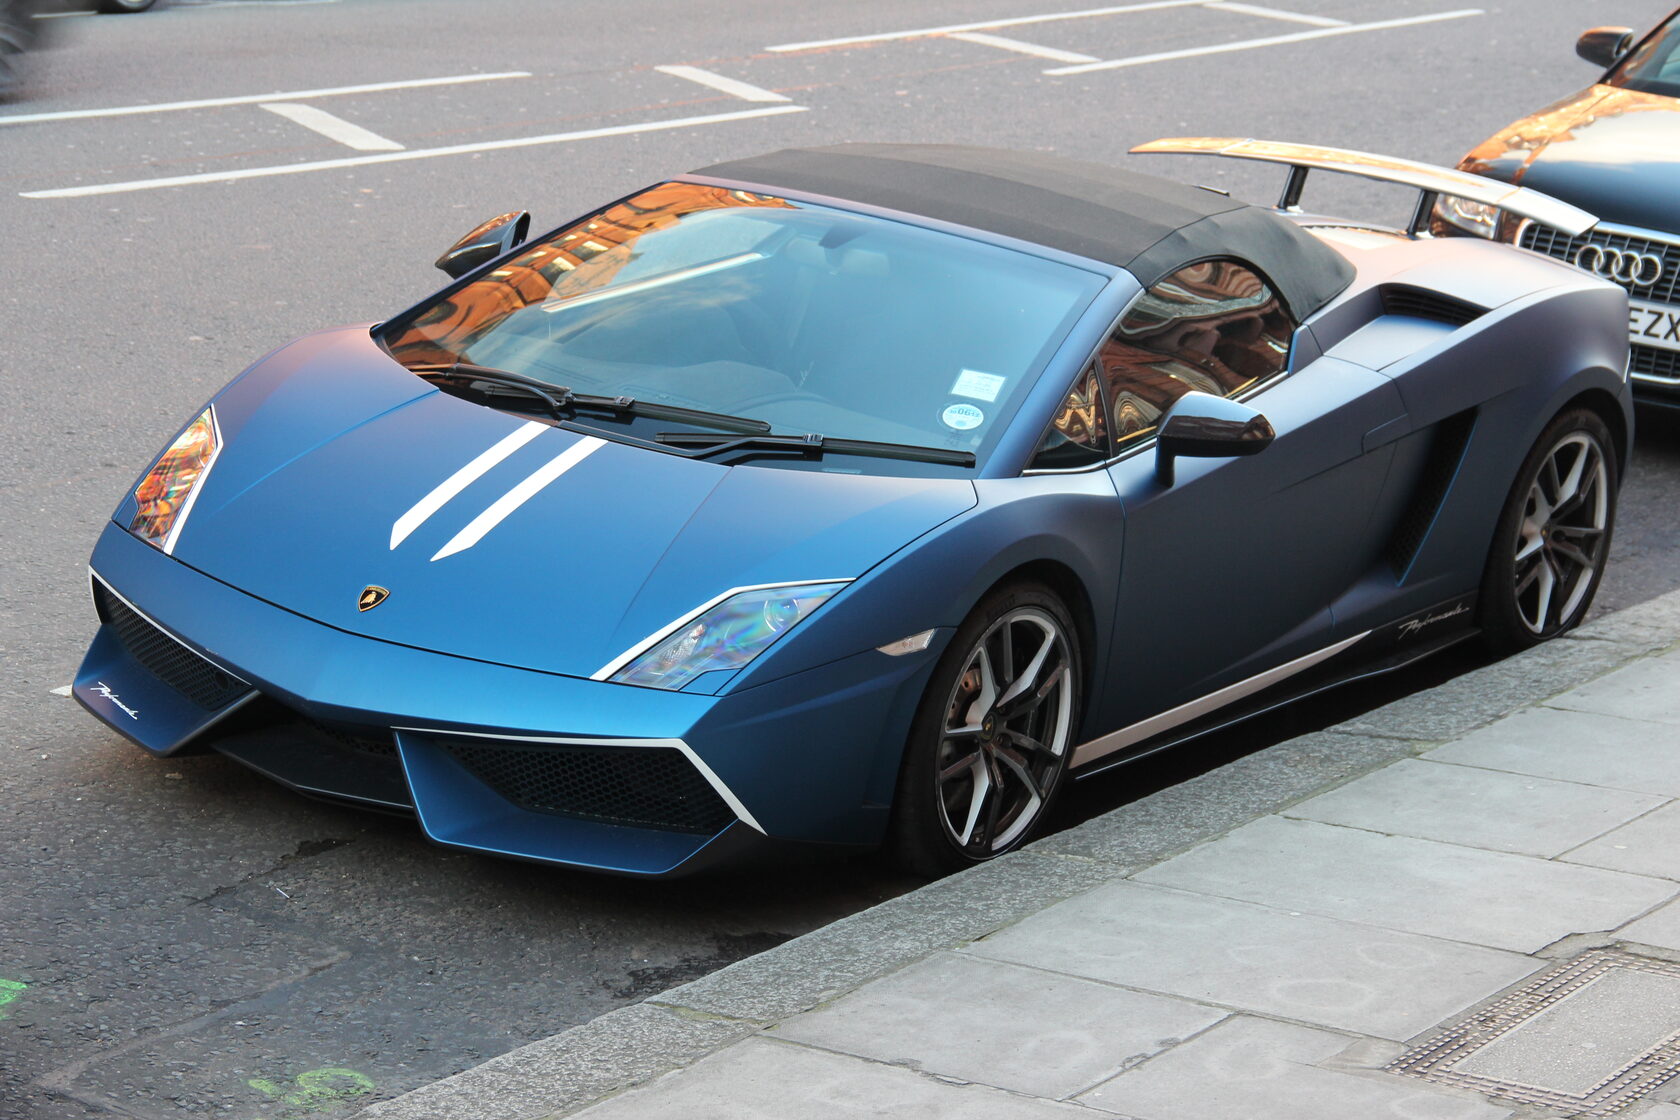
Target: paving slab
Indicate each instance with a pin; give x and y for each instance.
(1256, 1069)
(1661, 928)
(1318, 970)
(1000, 1024)
(1642, 690)
(763, 1080)
(1477, 808)
(1647, 846)
(1573, 746)
(1421, 886)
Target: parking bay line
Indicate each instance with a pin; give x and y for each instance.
(725, 85)
(1276, 13)
(1055, 54)
(257, 98)
(418, 153)
(1269, 41)
(333, 128)
(987, 25)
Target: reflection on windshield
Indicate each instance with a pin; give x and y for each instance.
(1654, 66)
(808, 318)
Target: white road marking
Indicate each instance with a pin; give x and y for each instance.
(463, 478)
(529, 488)
(1018, 21)
(417, 153)
(256, 98)
(61, 690)
(726, 85)
(333, 128)
(1252, 44)
(1274, 13)
(1055, 54)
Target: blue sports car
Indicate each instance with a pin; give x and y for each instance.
(863, 495)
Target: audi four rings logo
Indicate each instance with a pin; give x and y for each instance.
(1624, 266)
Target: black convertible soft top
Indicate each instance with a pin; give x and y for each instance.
(1146, 225)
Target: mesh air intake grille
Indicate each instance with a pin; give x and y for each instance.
(644, 787)
(1420, 304)
(171, 662)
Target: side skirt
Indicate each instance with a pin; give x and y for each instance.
(1379, 651)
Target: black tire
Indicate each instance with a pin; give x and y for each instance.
(123, 7)
(972, 796)
(1553, 535)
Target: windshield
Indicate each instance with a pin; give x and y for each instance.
(809, 318)
(1653, 66)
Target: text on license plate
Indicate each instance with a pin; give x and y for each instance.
(1654, 324)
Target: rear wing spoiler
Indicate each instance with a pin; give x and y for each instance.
(1432, 181)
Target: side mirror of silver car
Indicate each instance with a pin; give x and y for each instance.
(485, 243)
(1604, 46)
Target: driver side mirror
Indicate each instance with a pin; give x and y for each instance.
(1203, 426)
(1604, 46)
(485, 243)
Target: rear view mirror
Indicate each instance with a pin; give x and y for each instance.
(485, 243)
(1203, 426)
(1604, 46)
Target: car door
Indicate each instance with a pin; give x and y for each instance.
(1230, 570)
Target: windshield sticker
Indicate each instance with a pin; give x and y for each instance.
(962, 417)
(980, 386)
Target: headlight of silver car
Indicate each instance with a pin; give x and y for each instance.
(1472, 217)
(724, 634)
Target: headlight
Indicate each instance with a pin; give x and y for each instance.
(722, 635)
(1472, 217)
(169, 489)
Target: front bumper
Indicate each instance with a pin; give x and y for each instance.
(490, 757)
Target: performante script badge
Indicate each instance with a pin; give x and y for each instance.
(372, 595)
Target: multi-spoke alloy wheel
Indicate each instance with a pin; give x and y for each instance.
(1553, 536)
(992, 740)
(1562, 533)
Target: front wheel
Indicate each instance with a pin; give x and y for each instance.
(123, 7)
(989, 744)
(1553, 536)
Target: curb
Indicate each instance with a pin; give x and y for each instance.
(629, 1046)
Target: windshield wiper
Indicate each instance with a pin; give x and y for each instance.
(562, 401)
(707, 446)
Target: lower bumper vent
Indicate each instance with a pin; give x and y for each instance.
(643, 787)
(174, 664)
(1648, 361)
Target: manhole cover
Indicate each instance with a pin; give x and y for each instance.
(1590, 1037)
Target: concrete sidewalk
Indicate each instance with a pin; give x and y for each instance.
(1459, 907)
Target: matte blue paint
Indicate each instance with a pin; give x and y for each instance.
(1239, 566)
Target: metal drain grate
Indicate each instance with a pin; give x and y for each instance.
(1528, 1046)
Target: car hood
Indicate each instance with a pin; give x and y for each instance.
(1613, 152)
(328, 444)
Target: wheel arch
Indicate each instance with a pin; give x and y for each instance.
(1608, 409)
(1071, 589)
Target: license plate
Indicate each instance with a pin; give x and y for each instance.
(1654, 324)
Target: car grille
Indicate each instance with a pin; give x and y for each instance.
(1659, 365)
(199, 680)
(367, 740)
(645, 787)
(1555, 243)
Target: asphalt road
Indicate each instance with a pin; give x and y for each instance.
(178, 937)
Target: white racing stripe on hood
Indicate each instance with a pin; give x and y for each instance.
(462, 479)
(519, 495)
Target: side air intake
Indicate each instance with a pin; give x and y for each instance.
(1418, 303)
(1446, 451)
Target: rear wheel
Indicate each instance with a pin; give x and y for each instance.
(990, 742)
(123, 7)
(1553, 535)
